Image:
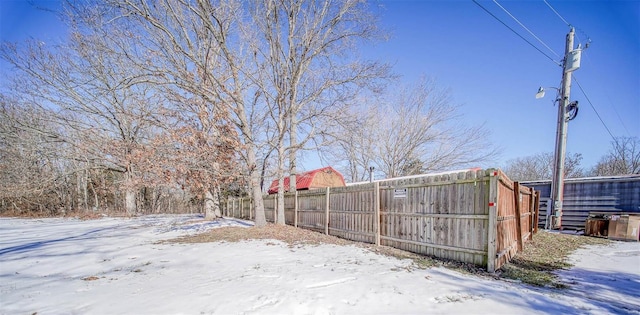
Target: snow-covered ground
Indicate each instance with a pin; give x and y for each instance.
(609, 275)
(117, 266)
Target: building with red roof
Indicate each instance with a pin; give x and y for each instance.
(320, 178)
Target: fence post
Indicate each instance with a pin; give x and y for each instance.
(493, 222)
(516, 196)
(537, 207)
(532, 209)
(376, 211)
(295, 208)
(326, 213)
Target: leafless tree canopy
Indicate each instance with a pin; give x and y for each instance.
(306, 48)
(540, 167)
(179, 95)
(410, 131)
(623, 158)
(122, 132)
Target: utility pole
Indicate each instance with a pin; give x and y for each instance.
(570, 63)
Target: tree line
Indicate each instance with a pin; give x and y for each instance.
(623, 158)
(170, 105)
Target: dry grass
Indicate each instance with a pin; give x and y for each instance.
(547, 252)
(284, 233)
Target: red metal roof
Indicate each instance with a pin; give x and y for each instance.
(304, 180)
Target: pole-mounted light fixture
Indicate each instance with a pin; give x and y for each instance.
(541, 91)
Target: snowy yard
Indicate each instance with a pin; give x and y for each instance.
(117, 266)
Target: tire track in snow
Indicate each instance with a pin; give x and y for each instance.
(330, 283)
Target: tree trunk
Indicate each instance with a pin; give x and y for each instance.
(78, 206)
(130, 195)
(96, 201)
(130, 201)
(293, 150)
(280, 207)
(211, 205)
(254, 185)
(85, 190)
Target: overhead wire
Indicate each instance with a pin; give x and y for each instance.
(511, 29)
(543, 53)
(586, 57)
(594, 108)
(527, 29)
(576, 79)
(556, 12)
(588, 38)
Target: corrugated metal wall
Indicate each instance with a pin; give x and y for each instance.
(583, 195)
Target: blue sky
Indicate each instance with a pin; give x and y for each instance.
(494, 74)
(491, 72)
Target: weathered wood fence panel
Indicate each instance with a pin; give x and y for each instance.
(351, 213)
(476, 216)
(289, 210)
(270, 203)
(311, 209)
(443, 215)
(514, 217)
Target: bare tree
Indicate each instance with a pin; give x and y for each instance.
(197, 149)
(307, 70)
(198, 47)
(413, 130)
(115, 114)
(32, 174)
(540, 167)
(265, 60)
(623, 158)
(352, 145)
(41, 173)
(89, 90)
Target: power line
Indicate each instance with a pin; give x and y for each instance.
(587, 58)
(594, 108)
(556, 12)
(530, 32)
(576, 79)
(588, 38)
(524, 39)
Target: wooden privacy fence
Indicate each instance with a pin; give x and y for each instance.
(477, 216)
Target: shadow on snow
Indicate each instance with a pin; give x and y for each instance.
(39, 244)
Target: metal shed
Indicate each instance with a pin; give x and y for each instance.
(606, 194)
